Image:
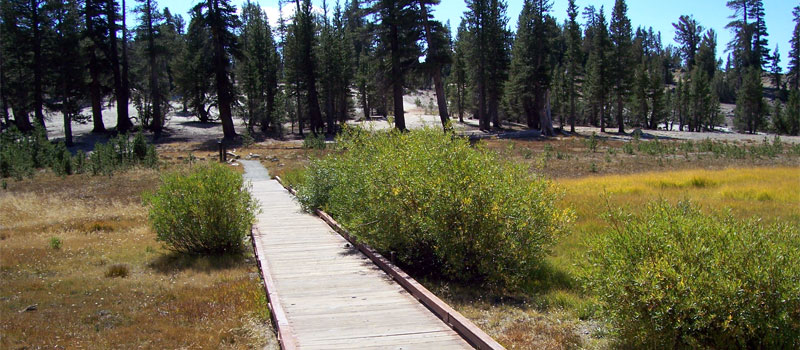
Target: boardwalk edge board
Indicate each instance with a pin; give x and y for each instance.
(285, 334)
(463, 326)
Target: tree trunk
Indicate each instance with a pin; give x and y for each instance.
(545, 117)
(441, 98)
(120, 78)
(3, 99)
(572, 109)
(67, 128)
(397, 82)
(21, 120)
(94, 91)
(94, 73)
(38, 98)
(494, 116)
(299, 111)
(224, 93)
(620, 119)
(155, 96)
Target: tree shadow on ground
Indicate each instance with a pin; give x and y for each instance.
(546, 279)
(177, 262)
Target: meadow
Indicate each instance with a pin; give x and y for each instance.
(81, 268)
(597, 175)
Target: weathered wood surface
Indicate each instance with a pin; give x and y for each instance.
(328, 294)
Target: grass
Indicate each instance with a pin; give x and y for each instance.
(555, 313)
(555, 306)
(150, 298)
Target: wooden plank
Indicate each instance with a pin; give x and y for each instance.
(327, 294)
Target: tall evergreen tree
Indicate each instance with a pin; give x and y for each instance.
(437, 56)
(398, 36)
(258, 67)
(793, 76)
(574, 59)
(687, 34)
(17, 61)
(760, 44)
(599, 68)
(67, 78)
(150, 20)
(96, 33)
(305, 39)
(221, 19)
(336, 67)
(458, 81)
(531, 67)
(488, 57)
(620, 33)
(123, 121)
(749, 112)
(195, 69)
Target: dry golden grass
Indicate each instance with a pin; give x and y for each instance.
(160, 301)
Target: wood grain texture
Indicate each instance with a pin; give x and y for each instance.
(324, 292)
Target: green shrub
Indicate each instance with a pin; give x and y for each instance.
(442, 206)
(627, 147)
(121, 153)
(591, 142)
(55, 243)
(204, 210)
(314, 142)
(678, 278)
(22, 153)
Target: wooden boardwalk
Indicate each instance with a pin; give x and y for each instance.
(326, 293)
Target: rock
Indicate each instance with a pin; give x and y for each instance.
(253, 156)
(33, 307)
(274, 159)
(104, 313)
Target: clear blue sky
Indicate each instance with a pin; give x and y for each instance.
(659, 14)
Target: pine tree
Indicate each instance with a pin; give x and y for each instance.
(620, 33)
(437, 56)
(398, 34)
(760, 44)
(17, 62)
(574, 60)
(221, 19)
(706, 54)
(123, 121)
(336, 67)
(598, 69)
(96, 27)
(150, 19)
(257, 68)
(775, 69)
(488, 57)
(793, 76)
(687, 34)
(458, 74)
(67, 87)
(749, 112)
(195, 68)
(530, 73)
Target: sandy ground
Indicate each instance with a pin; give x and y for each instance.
(186, 128)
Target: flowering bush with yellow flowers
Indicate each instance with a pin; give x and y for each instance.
(677, 278)
(441, 206)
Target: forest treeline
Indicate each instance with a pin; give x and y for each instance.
(316, 68)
